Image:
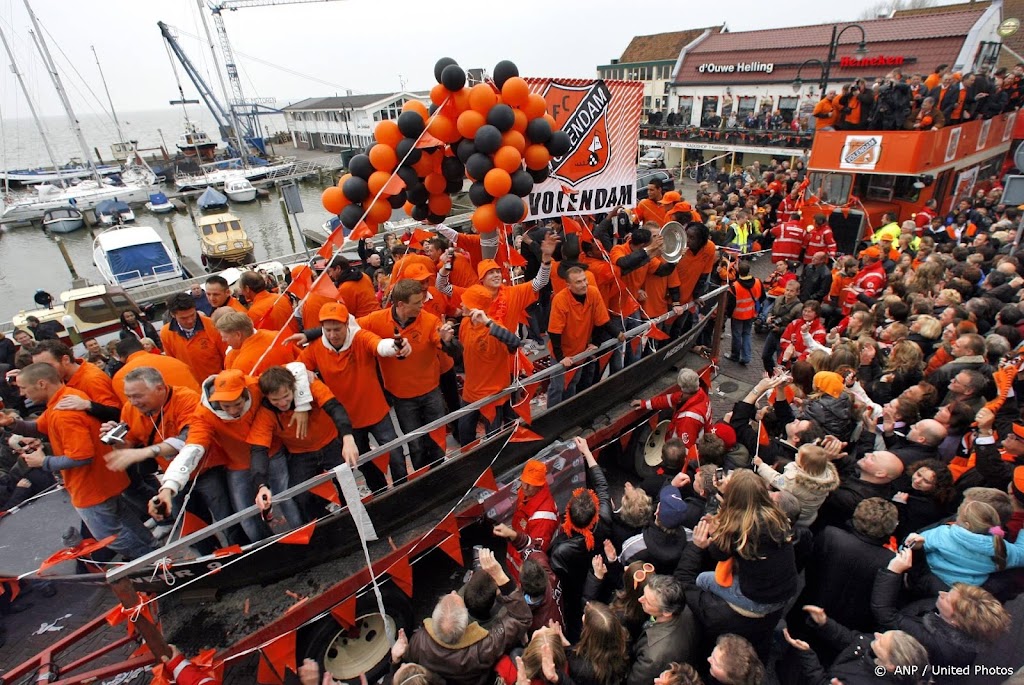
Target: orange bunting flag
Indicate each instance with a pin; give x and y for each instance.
(427, 140)
(624, 440)
(227, 551)
(516, 259)
(87, 546)
(487, 480)
(705, 376)
(489, 411)
(568, 191)
(345, 613)
(12, 587)
(275, 659)
(603, 360)
(401, 574)
(302, 280)
(300, 536)
(325, 286)
(569, 373)
(191, 523)
(394, 186)
(524, 434)
(440, 437)
(452, 545)
(523, 408)
(383, 462)
(327, 491)
(360, 231)
(655, 333)
(571, 226)
(525, 364)
(653, 421)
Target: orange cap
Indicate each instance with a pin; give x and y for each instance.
(872, 251)
(416, 272)
(477, 297)
(334, 311)
(535, 473)
(1017, 484)
(671, 197)
(682, 207)
(486, 265)
(228, 386)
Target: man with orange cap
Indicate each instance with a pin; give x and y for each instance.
(1016, 490)
(444, 306)
(869, 281)
(535, 518)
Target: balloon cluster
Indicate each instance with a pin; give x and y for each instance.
(497, 134)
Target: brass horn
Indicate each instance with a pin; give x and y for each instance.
(674, 236)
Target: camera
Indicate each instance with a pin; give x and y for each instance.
(115, 435)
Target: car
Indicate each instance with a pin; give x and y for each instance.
(644, 176)
(652, 159)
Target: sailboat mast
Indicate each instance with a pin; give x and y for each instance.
(48, 62)
(242, 149)
(110, 101)
(32, 109)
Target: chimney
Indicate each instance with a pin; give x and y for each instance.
(348, 92)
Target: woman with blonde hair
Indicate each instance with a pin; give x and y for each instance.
(925, 330)
(925, 278)
(624, 603)
(903, 368)
(546, 643)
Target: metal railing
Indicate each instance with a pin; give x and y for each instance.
(146, 562)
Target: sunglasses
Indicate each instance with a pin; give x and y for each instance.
(641, 574)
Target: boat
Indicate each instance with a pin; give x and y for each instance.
(240, 190)
(63, 219)
(223, 241)
(94, 310)
(159, 204)
(133, 256)
(212, 200)
(110, 212)
(219, 173)
(31, 205)
(68, 172)
(194, 142)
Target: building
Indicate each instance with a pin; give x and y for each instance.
(340, 123)
(654, 59)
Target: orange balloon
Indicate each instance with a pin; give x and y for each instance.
(377, 180)
(383, 157)
(515, 92)
(469, 121)
(497, 182)
(443, 128)
(424, 166)
(551, 122)
(508, 158)
(440, 204)
(379, 211)
(485, 218)
(435, 184)
(461, 100)
(535, 106)
(482, 97)
(521, 121)
(408, 207)
(416, 106)
(537, 157)
(334, 200)
(387, 133)
(342, 179)
(439, 94)
(513, 138)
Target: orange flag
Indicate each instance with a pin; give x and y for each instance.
(452, 545)
(325, 286)
(525, 365)
(440, 436)
(12, 586)
(489, 411)
(327, 491)
(401, 573)
(345, 613)
(516, 259)
(427, 140)
(300, 536)
(275, 658)
(394, 186)
(302, 280)
(571, 226)
(383, 462)
(655, 333)
(524, 434)
(191, 523)
(86, 546)
(487, 480)
(227, 551)
(361, 231)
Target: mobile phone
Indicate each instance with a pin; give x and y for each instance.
(719, 474)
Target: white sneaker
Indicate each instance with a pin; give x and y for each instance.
(160, 532)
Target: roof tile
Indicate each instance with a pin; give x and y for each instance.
(660, 46)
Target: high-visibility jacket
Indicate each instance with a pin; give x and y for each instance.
(789, 242)
(537, 518)
(746, 300)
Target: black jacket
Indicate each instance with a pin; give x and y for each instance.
(855, 665)
(815, 283)
(742, 415)
(838, 507)
(768, 579)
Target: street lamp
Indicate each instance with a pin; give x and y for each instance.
(798, 82)
(833, 49)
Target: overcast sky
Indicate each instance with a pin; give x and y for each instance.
(363, 45)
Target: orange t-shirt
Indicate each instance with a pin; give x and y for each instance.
(403, 262)
(245, 357)
(624, 290)
(463, 273)
(351, 374)
(271, 423)
(575, 320)
(420, 372)
(359, 296)
(203, 352)
(168, 422)
(470, 242)
(487, 361)
(76, 434)
(311, 309)
(604, 277)
(656, 287)
(235, 304)
(174, 371)
(232, 435)
(96, 385)
(649, 210)
(441, 306)
(691, 267)
(272, 311)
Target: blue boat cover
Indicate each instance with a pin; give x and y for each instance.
(333, 224)
(112, 207)
(129, 263)
(158, 198)
(211, 198)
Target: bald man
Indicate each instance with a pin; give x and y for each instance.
(922, 442)
(873, 477)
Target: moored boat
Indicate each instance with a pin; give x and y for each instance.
(194, 142)
(133, 256)
(240, 190)
(224, 241)
(63, 219)
(110, 212)
(159, 204)
(94, 309)
(212, 200)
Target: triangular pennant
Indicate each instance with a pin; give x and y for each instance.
(515, 259)
(602, 361)
(302, 280)
(191, 523)
(624, 440)
(487, 480)
(440, 437)
(427, 140)
(524, 434)
(420, 235)
(569, 373)
(299, 536)
(86, 546)
(567, 190)
(525, 365)
(360, 231)
(327, 491)
(383, 462)
(345, 613)
(452, 546)
(227, 551)
(401, 574)
(325, 286)
(524, 407)
(655, 333)
(489, 411)
(395, 185)
(275, 659)
(635, 343)
(653, 421)
(571, 226)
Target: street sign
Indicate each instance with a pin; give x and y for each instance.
(290, 192)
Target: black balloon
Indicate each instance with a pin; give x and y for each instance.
(478, 166)
(436, 218)
(487, 139)
(509, 208)
(522, 183)
(478, 195)
(420, 212)
(464, 150)
(351, 215)
(356, 189)
(538, 131)
(440, 65)
(418, 194)
(452, 168)
(433, 108)
(503, 71)
(501, 117)
(453, 77)
(403, 148)
(360, 166)
(453, 185)
(410, 124)
(539, 175)
(396, 201)
(408, 175)
(559, 143)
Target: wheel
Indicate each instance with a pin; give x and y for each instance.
(366, 647)
(645, 448)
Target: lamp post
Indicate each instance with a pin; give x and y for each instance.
(833, 50)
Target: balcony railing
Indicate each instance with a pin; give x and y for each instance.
(733, 136)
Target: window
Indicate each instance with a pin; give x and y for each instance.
(647, 102)
(829, 187)
(788, 105)
(709, 109)
(685, 110)
(303, 137)
(745, 105)
(886, 188)
(97, 310)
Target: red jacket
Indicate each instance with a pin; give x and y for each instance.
(793, 335)
(872, 279)
(536, 518)
(786, 208)
(184, 672)
(819, 239)
(691, 418)
(789, 242)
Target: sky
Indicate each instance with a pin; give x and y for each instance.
(362, 45)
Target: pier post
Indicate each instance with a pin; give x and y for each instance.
(67, 258)
(287, 222)
(174, 238)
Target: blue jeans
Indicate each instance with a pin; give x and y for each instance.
(414, 413)
(559, 391)
(383, 432)
(622, 359)
(209, 498)
(466, 431)
(733, 594)
(305, 465)
(114, 517)
(741, 339)
(243, 494)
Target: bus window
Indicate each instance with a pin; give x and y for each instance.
(830, 186)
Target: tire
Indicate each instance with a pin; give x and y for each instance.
(364, 649)
(644, 453)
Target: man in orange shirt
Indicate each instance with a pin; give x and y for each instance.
(319, 450)
(249, 350)
(631, 262)
(192, 338)
(693, 269)
(461, 272)
(131, 352)
(267, 310)
(102, 402)
(825, 112)
(346, 361)
(78, 454)
(355, 289)
(219, 294)
(650, 208)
